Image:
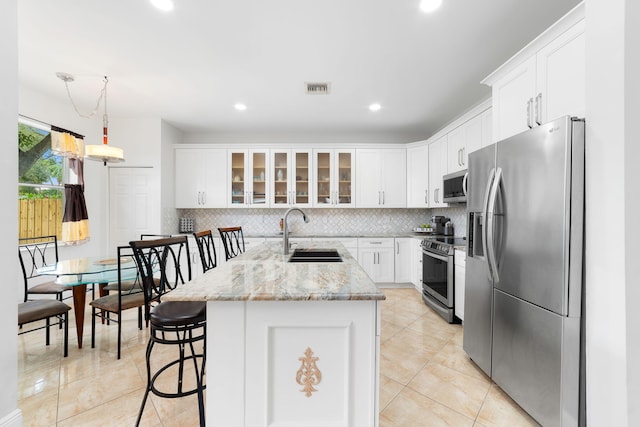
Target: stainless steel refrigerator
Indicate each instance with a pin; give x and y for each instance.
(524, 264)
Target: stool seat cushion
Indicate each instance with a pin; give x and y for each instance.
(178, 313)
(50, 287)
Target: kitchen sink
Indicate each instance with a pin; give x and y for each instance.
(315, 255)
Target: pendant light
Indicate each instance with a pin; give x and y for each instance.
(100, 152)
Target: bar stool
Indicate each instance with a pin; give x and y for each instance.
(207, 249)
(179, 323)
(233, 241)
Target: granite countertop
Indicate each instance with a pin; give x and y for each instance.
(263, 274)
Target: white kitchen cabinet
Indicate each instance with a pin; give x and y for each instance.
(381, 178)
(377, 258)
(461, 141)
(292, 173)
(418, 176)
(459, 260)
(200, 178)
(437, 168)
(334, 178)
(403, 259)
(544, 81)
(416, 263)
(249, 175)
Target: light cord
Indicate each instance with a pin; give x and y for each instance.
(95, 110)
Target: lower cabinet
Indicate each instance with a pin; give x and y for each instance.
(377, 258)
(403, 259)
(459, 260)
(416, 264)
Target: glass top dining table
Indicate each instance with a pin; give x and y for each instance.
(77, 273)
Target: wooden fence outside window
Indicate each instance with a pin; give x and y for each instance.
(40, 217)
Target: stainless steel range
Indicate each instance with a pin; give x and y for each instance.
(437, 274)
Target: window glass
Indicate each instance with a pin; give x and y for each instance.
(41, 177)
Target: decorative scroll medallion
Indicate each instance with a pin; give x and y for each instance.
(308, 375)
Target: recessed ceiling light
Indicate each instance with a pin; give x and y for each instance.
(165, 5)
(430, 5)
(240, 107)
(375, 107)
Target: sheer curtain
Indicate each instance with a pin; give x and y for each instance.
(75, 223)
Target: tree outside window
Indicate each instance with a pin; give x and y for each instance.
(41, 176)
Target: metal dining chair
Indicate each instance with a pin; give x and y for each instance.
(39, 252)
(30, 311)
(128, 295)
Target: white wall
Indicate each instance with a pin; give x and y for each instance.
(10, 415)
(612, 340)
(170, 137)
(632, 205)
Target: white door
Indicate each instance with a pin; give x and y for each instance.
(418, 177)
(134, 204)
(394, 178)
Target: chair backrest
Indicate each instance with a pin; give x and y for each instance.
(125, 256)
(34, 253)
(154, 236)
(162, 264)
(233, 241)
(207, 249)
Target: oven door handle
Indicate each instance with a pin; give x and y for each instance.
(436, 256)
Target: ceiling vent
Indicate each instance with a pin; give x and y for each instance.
(318, 88)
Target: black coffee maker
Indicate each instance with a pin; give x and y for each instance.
(439, 222)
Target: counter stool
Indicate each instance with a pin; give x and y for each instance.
(179, 323)
(207, 249)
(233, 241)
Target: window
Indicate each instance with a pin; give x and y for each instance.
(41, 178)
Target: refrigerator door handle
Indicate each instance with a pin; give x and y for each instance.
(491, 254)
(485, 207)
(464, 183)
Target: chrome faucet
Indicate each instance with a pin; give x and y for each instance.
(285, 234)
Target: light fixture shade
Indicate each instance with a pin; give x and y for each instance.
(104, 153)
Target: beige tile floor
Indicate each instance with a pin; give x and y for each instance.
(426, 378)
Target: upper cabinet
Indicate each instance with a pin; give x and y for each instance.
(544, 81)
(291, 172)
(381, 178)
(248, 178)
(418, 176)
(334, 174)
(461, 141)
(437, 165)
(201, 178)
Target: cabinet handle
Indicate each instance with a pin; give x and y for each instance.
(426, 197)
(464, 154)
(398, 248)
(539, 109)
(459, 164)
(529, 112)
(375, 243)
(382, 197)
(435, 195)
(204, 197)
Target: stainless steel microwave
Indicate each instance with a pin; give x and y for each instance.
(454, 187)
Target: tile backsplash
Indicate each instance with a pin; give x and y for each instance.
(321, 221)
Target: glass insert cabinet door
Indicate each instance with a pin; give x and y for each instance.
(259, 178)
(249, 177)
(334, 172)
(281, 182)
(291, 172)
(239, 194)
(302, 189)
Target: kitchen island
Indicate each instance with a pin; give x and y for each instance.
(290, 344)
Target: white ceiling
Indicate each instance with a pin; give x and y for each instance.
(191, 65)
